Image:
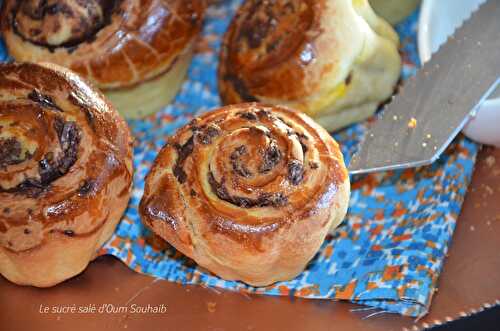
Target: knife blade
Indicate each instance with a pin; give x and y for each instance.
(434, 105)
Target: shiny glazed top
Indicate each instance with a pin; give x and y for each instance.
(113, 43)
(246, 171)
(64, 152)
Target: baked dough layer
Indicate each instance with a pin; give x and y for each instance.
(117, 45)
(335, 60)
(248, 191)
(65, 173)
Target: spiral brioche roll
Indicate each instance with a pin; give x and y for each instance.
(136, 51)
(335, 60)
(248, 191)
(65, 173)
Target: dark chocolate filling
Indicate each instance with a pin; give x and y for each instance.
(49, 168)
(295, 172)
(43, 100)
(40, 12)
(10, 152)
(264, 200)
(249, 115)
(240, 88)
(313, 165)
(272, 156)
(86, 188)
(184, 151)
(302, 137)
(255, 31)
(238, 167)
(205, 134)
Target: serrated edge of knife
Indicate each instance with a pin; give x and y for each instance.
(458, 26)
(424, 69)
(449, 39)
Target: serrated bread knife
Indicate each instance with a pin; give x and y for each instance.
(434, 105)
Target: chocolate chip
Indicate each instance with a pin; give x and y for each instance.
(193, 193)
(180, 174)
(272, 156)
(205, 134)
(69, 139)
(240, 150)
(243, 202)
(295, 172)
(85, 26)
(313, 165)
(50, 168)
(69, 233)
(264, 113)
(249, 115)
(43, 100)
(183, 152)
(238, 167)
(6, 210)
(264, 200)
(10, 152)
(30, 187)
(86, 187)
(275, 200)
(213, 130)
(27, 231)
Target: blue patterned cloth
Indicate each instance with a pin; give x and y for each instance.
(389, 251)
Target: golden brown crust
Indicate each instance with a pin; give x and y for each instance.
(267, 50)
(248, 191)
(335, 60)
(65, 171)
(115, 44)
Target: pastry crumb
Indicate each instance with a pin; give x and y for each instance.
(211, 306)
(489, 190)
(490, 161)
(412, 123)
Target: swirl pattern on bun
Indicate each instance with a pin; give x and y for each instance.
(65, 173)
(248, 191)
(335, 60)
(135, 51)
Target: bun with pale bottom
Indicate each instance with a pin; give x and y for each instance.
(248, 191)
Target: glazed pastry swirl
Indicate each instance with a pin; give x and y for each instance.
(256, 44)
(239, 186)
(65, 157)
(55, 24)
(335, 60)
(115, 43)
